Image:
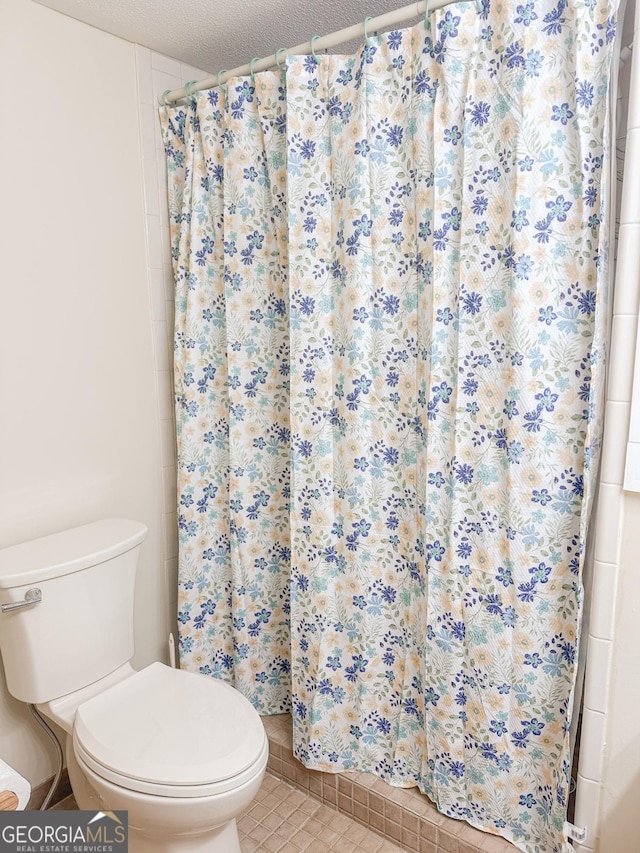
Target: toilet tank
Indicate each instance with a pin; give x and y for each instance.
(81, 628)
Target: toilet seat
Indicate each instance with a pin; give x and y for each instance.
(171, 733)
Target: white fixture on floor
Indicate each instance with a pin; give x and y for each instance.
(182, 753)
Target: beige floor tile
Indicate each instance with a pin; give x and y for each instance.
(371, 844)
(330, 838)
(314, 827)
(285, 809)
(304, 839)
(273, 821)
(271, 801)
(310, 806)
(259, 833)
(257, 810)
(246, 823)
(346, 846)
(355, 833)
(285, 828)
(283, 819)
(274, 843)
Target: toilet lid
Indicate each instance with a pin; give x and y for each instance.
(170, 727)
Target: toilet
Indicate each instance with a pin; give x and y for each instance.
(182, 753)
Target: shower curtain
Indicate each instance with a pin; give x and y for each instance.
(391, 308)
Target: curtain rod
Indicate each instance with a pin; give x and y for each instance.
(381, 22)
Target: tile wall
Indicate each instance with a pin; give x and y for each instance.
(609, 521)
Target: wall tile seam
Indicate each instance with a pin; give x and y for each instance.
(622, 399)
(592, 750)
(594, 816)
(614, 484)
(600, 638)
(592, 710)
(592, 824)
(616, 444)
(599, 532)
(607, 618)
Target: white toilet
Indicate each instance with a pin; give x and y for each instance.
(182, 753)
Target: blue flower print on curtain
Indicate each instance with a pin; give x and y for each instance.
(448, 279)
(226, 157)
(391, 300)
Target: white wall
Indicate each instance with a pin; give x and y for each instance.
(79, 428)
(157, 73)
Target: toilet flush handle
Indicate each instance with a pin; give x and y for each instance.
(31, 596)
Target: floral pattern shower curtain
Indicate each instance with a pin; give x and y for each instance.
(391, 277)
(227, 166)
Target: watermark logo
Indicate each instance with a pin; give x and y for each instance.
(63, 832)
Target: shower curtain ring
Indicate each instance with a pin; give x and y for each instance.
(251, 71)
(314, 39)
(220, 73)
(164, 97)
(427, 22)
(278, 52)
(188, 93)
(367, 40)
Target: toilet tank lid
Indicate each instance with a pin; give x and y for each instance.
(68, 551)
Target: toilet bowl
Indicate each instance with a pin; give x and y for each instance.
(182, 753)
(160, 824)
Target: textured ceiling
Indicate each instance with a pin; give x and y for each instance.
(213, 34)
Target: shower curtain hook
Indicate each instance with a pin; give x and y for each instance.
(251, 71)
(427, 22)
(367, 40)
(314, 39)
(278, 52)
(220, 73)
(187, 90)
(164, 98)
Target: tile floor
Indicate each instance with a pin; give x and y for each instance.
(403, 815)
(283, 819)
